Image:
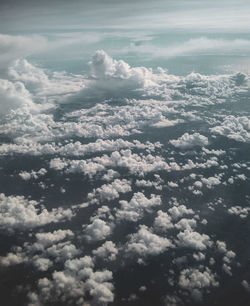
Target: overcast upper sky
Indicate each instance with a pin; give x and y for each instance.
(226, 16)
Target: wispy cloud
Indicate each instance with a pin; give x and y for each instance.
(202, 45)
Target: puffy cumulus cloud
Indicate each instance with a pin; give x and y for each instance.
(107, 251)
(62, 251)
(211, 181)
(221, 246)
(46, 86)
(163, 221)
(74, 284)
(186, 224)
(69, 288)
(24, 126)
(14, 95)
(137, 164)
(212, 162)
(135, 208)
(77, 264)
(30, 147)
(113, 77)
(236, 128)
(42, 264)
(194, 240)
(23, 71)
(13, 258)
(19, 213)
(47, 246)
(97, 230)
(147, 183)
(199, 256)
(102, 213)
(178, 211)
(47, 239)
(110, 191)
(144, 243)
(197, 282)
(214, 87)
(214, 152)
(237, 210)
(187, 141)
(33, 174)
(105, 68)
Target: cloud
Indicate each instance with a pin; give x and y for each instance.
(97, 230)
(211, 181)
(33, 174)
(47, 239)
(115, 78)
(13, 259)
(178, 211)
(43, 264)
(237, 210)
(14, 47)
(163, 221)
(74, 284)
(19, 213)
(13, 96)
(107, 251)
(188, 141)
(246, 285)
(196, 281)
(144, 243)
(236, 128)
(110, 191)
(190, 239)
(134, 209)
(194, 46)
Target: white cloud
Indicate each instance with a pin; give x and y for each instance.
(47, 239)
(196, 281)
(187, 141)
(178, 211)
(62, 251)
(33, 174)
(144, 243)
(97, 230)
(19, 213)
(210, 182)
(237, 210)
(72, 284)
(107, 251)
(186, 224)
(110, 191)
(14, 95)
(135, 208)
(163, 221)
(190, 239)
(105, 68)
(14, 47)
(13, 259)
(42, 264)
(236, 128)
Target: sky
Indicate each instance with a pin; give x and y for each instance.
(124, 153)
(195, 16)
(137, 31)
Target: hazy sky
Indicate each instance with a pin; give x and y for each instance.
(33, 16)
(137, 31)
